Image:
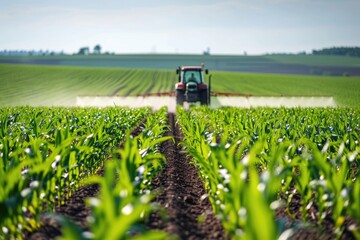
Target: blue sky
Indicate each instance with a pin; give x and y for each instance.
(144, 26)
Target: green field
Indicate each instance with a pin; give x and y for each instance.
(58, 85)
(282, 64)
(317, 60)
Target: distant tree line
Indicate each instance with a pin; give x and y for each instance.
(86, 50)
(283, 54)
(96, 51)
(29, 53)
(339, 51)
(82, 51)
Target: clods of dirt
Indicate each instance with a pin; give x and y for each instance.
(74, 208)
(188, 214)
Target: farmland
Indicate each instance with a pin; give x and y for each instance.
(276, 64)
(48, 153)
(59, 86)
(298, 166)
(201, 173)
(213, 173)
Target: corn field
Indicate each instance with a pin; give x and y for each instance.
(267, 173)
(255, 163)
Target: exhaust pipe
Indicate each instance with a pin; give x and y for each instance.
(209, 90)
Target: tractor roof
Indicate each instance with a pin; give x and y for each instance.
(183, 68)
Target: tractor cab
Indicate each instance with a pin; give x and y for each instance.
(192, 75)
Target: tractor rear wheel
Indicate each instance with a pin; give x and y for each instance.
(204, 98)
(179, 98)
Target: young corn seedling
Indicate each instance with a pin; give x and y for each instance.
(125, 200)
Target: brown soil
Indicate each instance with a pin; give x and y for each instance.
(181, 195)
(74, 209)
(310, 230)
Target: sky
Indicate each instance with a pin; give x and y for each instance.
(168, 26)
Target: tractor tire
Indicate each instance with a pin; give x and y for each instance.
(204, 99)
(180, 98)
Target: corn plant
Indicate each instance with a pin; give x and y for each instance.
(125, 198)
(54, 149)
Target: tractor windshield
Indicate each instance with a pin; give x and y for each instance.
(192, 76)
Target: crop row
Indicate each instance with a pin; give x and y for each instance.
(256, 163)
(47, 153)
(124, 201)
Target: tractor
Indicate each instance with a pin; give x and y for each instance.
(191, 86)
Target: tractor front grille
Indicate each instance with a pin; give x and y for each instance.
(191, 87)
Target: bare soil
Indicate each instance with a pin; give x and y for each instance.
(182, 195)
(310, 229)
(74, 209)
